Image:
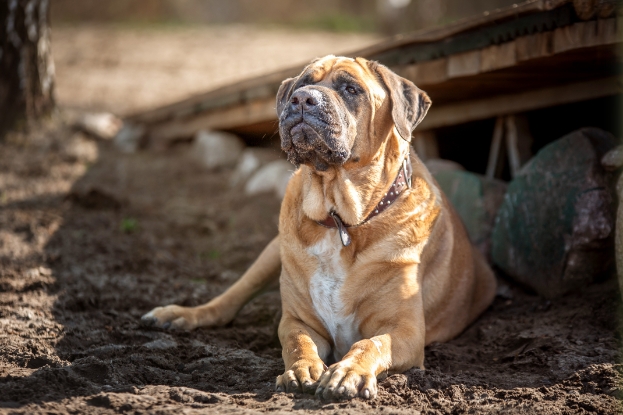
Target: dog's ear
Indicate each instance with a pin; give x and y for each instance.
(284, 93)
(409, 103)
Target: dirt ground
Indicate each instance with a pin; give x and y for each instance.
(90, 239)
(123, 69)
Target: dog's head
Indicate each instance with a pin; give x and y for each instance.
(340, 109)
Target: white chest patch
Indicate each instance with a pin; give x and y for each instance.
(326, 289)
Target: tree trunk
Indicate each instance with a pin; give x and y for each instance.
(26, 67)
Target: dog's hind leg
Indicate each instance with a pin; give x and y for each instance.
(221, 310)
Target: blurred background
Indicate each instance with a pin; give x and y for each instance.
(127, 56)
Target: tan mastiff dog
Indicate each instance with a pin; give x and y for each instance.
(374, 262)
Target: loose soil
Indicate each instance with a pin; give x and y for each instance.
(90, 239)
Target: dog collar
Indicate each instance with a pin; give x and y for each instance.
(401, 182)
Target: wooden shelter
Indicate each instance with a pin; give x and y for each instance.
(533, 55)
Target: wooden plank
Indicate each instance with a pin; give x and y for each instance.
(585, 34)
(495, 162)
(511, 145)
(524, 138)
(425, 73)
(533, 46)
(607, 31)
(498, 56)
(472, 110)
(250, 113)
(464, 64)
(564, 38)
(431, 72)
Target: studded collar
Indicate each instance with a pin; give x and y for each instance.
(401, 182)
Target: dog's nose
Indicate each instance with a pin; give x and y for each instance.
(305, 99)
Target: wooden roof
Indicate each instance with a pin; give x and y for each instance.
(533, 55)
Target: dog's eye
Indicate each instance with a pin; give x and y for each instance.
(351, 90)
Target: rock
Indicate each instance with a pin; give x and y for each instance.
(214, 149)
(476, 199)
(438, 165)
(101, 125)
(249, 162)
(554, 231)
(271, 177)
(129, 138)
(613, 159)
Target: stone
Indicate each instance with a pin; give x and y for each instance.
(476, 199)
(250, 161)
(101, 125)
(555, 229)
(273, 177)
(130, 137)
(613, 160)
(216, 149)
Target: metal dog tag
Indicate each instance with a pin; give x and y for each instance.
(341, 229)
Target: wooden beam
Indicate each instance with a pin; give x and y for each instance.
(495, 163)
(518, 142)
(464, 64)
(585, 34)
(473, 110)
(533, 46)
(511, 145)
(498, 56)
(250, 113)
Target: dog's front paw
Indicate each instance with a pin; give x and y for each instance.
(171, 317)
(303, 376)
(346, 380)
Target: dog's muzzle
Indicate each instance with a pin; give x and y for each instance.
(312, 128)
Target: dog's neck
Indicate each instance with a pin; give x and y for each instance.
(353, 191)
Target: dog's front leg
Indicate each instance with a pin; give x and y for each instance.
(401, 348)
(302, 348)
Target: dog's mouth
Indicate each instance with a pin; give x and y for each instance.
(313, 141)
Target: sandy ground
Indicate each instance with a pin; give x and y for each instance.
(123, 69)
(90, 239)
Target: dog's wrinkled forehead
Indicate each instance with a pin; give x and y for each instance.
(331, 71)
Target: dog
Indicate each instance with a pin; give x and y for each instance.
(373, 263)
